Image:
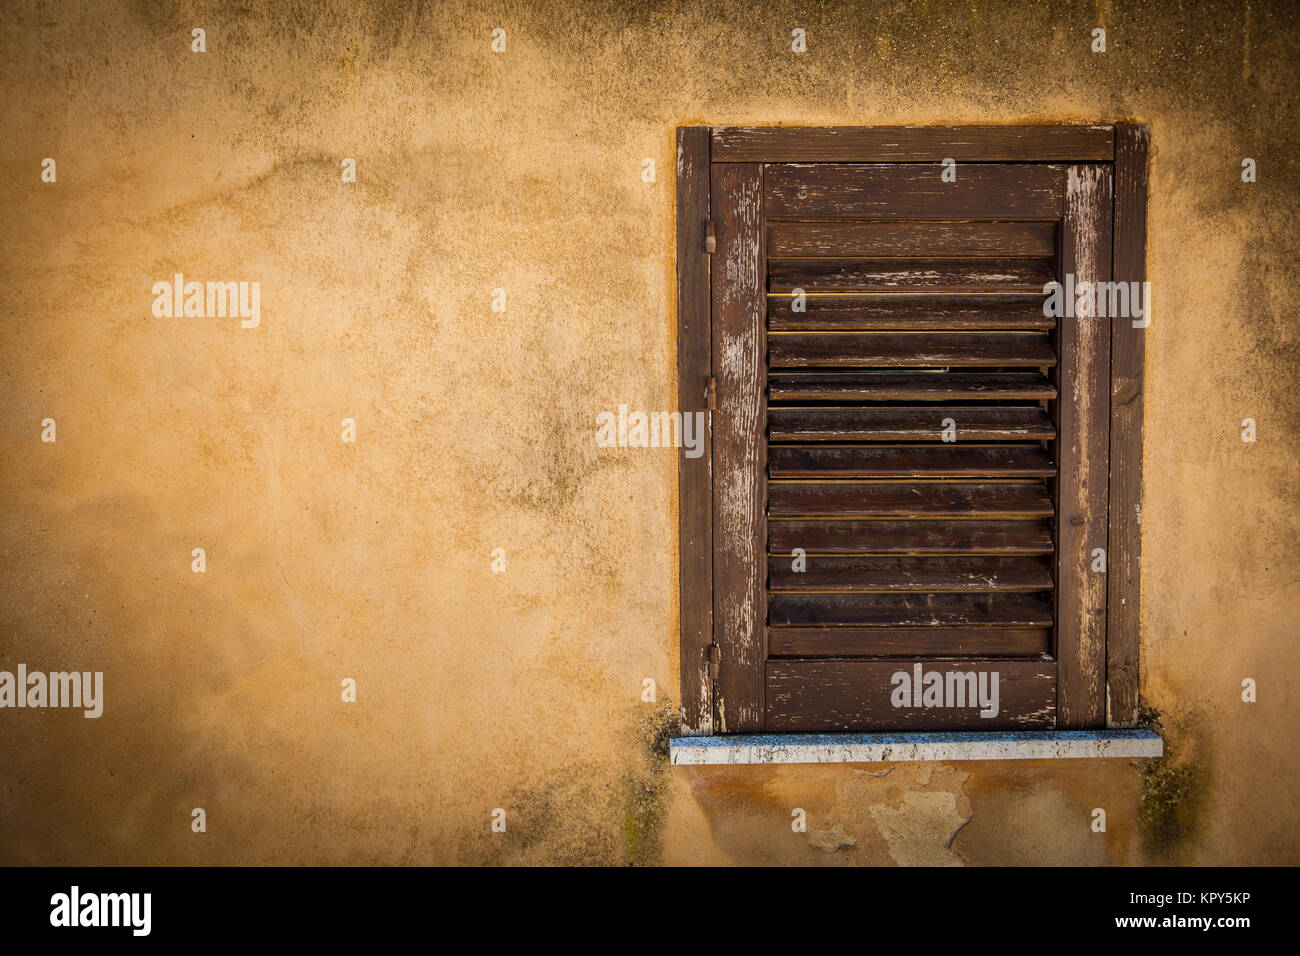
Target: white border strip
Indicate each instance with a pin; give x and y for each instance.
(904, 747)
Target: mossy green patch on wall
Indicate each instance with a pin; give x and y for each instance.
(1173, 788)
(646, 791)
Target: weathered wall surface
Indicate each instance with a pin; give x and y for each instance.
(475, 429)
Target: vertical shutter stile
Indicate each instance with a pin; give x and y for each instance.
(739, 451)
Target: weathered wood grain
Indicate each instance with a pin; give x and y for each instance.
(909, 537)
(941, 498)
(853, 574)
(950, 275)
(1128, 349)
(694, 475)
(914, 312)
(1083, 424)
(901, 423)
(909, 461)
(739, 450)
(905, 350)
(914, 641)
(873, 386)
(867, 239)
(903, 144)
(913, 192)
(802, 609)
(813, 696)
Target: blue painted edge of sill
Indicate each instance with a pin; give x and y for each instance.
(944, 746)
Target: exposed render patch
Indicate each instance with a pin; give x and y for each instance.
(831, 840)
(911, 830)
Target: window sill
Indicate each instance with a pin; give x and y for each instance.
(904, 747)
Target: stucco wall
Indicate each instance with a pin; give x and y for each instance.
(522, 170)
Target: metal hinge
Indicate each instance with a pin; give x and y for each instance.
(710, 238)
(711, 393)
(715, 656)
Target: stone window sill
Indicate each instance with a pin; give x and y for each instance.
(904, 747)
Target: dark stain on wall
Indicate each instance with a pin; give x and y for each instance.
(1173, 788)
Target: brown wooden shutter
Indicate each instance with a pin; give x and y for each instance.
(921, 319)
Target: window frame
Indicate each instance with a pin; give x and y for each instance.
(706, 153)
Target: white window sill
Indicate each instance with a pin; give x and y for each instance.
(904, 747)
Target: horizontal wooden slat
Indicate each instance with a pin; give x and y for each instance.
(909, 537)
(867, 239)
(817, 695)
(917, 275)
(907, 350)
(906, 386)
(1010, 423)
(909, 461)
(914, 312)
(913, 191)
(852, 574)
(902, 144)
(908, 499)
(787, 608)
(919, 641)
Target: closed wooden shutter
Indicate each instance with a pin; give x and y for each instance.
(910, 458)
(911, 447)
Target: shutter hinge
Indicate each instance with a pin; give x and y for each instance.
(715, 656)
(711, 393)
(710, 238)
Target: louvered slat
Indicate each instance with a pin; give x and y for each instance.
(910, 610)
(926, 238)
(914, 192)
(972, 423)
(908, 350)
(858, 574)
(906, 386)
(909, 537)
(917, 275)
(903, 499)
(917, 641)
(911, 311)
(909, 461)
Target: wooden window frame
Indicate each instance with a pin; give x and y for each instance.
(714, 700)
